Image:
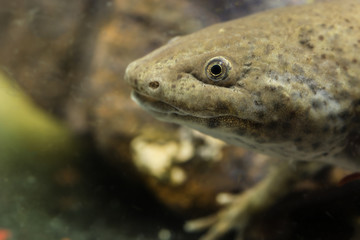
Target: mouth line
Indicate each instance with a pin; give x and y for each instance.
(165, 111)
(156, 106)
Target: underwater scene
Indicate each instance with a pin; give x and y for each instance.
(180, 120)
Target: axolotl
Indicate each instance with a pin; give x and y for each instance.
(284, 82)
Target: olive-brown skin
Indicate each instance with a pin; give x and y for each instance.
(291, 88)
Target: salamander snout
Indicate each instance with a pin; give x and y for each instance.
(141, 80)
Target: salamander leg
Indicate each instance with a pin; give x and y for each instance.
(238, 214)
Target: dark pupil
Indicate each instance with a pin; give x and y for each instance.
(216, 70)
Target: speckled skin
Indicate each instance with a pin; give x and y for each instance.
(293, 90)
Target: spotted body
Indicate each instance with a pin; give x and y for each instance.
(285, 82)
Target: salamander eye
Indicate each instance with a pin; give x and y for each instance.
(217, 68)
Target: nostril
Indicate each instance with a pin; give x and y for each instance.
(154, 84)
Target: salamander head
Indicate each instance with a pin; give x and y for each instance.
(246, 88)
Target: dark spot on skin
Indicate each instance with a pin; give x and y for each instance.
(286, 126)
(277, 106)
(272, 125)
(315, 145)
(307, 130)
(316, 104)
(345, 68)
(305, 37)
(173, 86)
(321, 37)
(213, 123)
(280, 56)
(325, 154)
(323, 25)
(326, 129)
(313, 88)
(154, 84)
(222, 107)
(354, 60)
(258, 103)
(178, 76)
(271, 88)
(299, 69)
(356, 104)
(347, 20)
(268, 49)
(193, 86)
(331, 117)
(307, 43)
(292, 115)
(258, 94)
(343, 129)
(336, 130)
(323, 56)
(136, 82)
(345, 115)
(260, 115)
